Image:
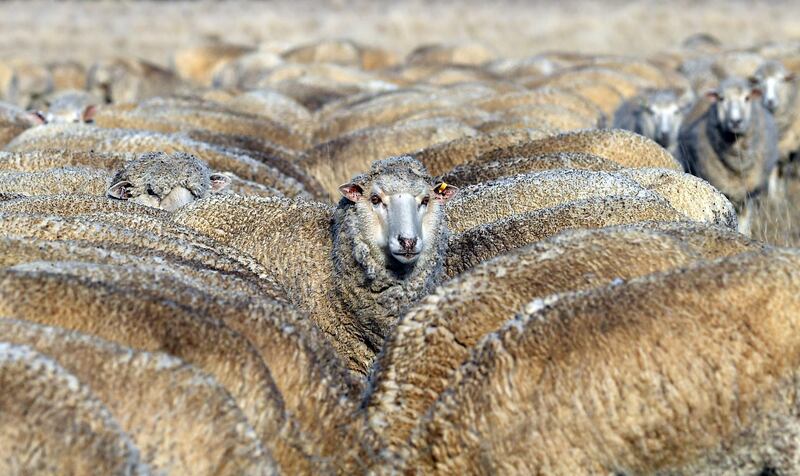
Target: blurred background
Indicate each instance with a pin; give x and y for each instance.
(151, 30)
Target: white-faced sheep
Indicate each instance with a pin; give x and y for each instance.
(656, 114)
(781, 97)
(733, 145)
(352, 269)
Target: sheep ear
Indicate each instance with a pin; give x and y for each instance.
(351, 191)
(36, 117)
(120, 190)
(88, 113)
(444, 192)
(219, 182)
(712, 95)
(756, 93)
(789, 77)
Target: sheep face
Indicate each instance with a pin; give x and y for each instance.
(734, 100)
(399, 214)
(661, 114)
(775, 83)
(168, 182)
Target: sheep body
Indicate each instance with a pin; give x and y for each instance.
(701, 334)
(180, 419)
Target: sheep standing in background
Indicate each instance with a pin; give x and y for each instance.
(389, 239)
(657, 114)
(734, 145)
(163, 181)
(781, 98)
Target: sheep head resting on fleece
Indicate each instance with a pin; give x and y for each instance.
(166, 181)
(733, 106)
(389, 235)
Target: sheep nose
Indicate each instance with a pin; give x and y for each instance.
(736, 122)
(771, 104)
(407, 244)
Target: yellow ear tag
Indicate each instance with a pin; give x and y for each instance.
(441, 187)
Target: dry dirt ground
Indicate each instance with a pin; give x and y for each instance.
(87, 31)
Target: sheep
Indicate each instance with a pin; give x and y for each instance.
(180, 419)
(277, 173)
(316, 85)
(292, 238)
(432, 339)
(199, 63)
(29, 82)
(245, 72)
(656, 114)
(627, 84)
(341, 51)
(127, 80)
(67, 75)
(41, 160)
(483, 242)
(490, 201)
(605, 95)
(197, 252)
(440, 158)
(662, 405)
(271, 104)
(333, 162)
(13, 121)
(102, 309)
(538, 116)
(389, 252)
(693, 197)
(625, 147)
(67, 180)
(455, 54)
(733, 145)
(165, 181)
(570, 101)
(780, 97)
(166, 115)
(657, 77)
(380, 110)
(317, 391)
(45, 161)
(16, 250)
(53, 424)
(70, 106)
(307, 247)
(472, 173)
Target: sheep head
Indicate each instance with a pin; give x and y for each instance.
(400, 209)
(165, 181)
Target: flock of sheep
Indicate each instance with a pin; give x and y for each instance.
(339, 260)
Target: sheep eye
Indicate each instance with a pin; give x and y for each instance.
(375, 199)
(425, 201)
